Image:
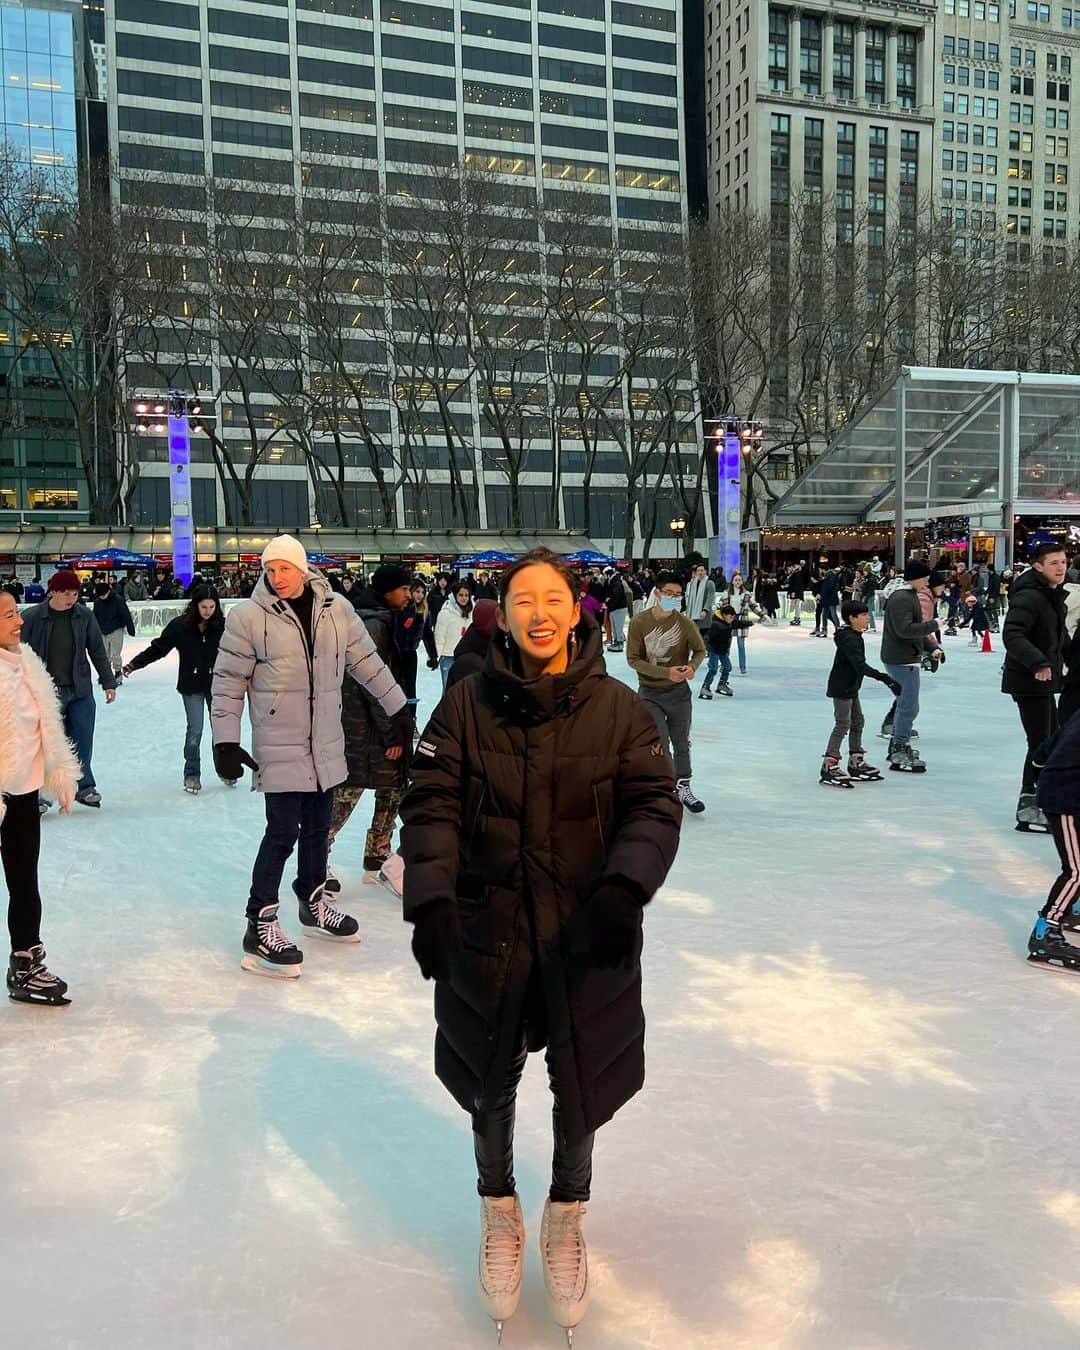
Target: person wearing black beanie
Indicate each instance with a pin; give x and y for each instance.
(903, 641)
(368, 733)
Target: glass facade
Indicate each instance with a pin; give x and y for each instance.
(548, 102)
(958, 453)
(38, 447)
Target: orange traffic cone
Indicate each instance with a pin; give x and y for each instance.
(986, 641)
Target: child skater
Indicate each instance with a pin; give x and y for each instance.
(849, 669)
(977, 617)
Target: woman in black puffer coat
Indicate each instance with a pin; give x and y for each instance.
(541, 818)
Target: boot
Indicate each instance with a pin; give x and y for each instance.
(566, 1263)
(29, 981)
(904, 759)
(502, 1256)
(832, 775)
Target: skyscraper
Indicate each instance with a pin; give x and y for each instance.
(44, 89)
(316, 107)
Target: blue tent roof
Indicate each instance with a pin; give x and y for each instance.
(588, 557)
(110, 557)
(491, 557)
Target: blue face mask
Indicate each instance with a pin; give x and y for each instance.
(669, 603)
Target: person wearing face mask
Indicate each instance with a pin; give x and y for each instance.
(34, 754)
(540, 821)
(665, 648)
(195, 637)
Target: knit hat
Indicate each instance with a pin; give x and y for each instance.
(65, 580)
(483, 617)
(914, 570)
(938, 579)
(388, 578)
(286, 548)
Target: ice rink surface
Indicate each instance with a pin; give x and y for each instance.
(855, 1135)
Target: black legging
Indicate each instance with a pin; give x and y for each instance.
(1039, 718)
(20, 844)
(493, 1138)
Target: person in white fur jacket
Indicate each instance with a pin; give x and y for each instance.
(34, 754)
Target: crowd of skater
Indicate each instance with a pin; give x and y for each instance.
(541, 803)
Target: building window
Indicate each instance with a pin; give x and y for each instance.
(778, 49)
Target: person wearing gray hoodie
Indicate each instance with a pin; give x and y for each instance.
(286, 651)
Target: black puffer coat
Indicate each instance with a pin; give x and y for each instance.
(1033, 634)
(525, 795)
(197, 651)
(367, 728)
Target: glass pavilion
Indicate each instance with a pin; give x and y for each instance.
(993, 445)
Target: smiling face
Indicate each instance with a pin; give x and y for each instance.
(538, 612)
(10, 622)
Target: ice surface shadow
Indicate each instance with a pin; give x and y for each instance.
(397, 1175)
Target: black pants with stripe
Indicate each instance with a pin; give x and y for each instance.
(1066, 890)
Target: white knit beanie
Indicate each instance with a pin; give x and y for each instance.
(285, 548)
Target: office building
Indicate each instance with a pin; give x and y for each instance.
(310, 106)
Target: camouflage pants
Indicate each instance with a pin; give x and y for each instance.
(377, 845)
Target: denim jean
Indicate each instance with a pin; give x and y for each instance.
(740, 639)
(830, 614)
(907, 702)
(715, 660)
(195, 706)
(445, 662)
(618, 626)
(292, 818)
(79, 715)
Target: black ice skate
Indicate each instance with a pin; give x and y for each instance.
(1048, 946)
(832, 775)
(322, 919)
(267, 951)
(706, 693)
(1029, 819)
(88, 797)
(685, 794)
(903, 759)
(724, 688)
(29, 981)
(861, 772)
(192, 783)
(332, 886)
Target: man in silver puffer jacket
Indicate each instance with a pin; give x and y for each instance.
(288, 650)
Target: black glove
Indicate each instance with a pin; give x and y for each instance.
(613, 916)
(895, 688)
(433, 663)
(230, 758)
(402, 724)
(435, 933)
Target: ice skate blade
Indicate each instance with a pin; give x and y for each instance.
(1029, 827)
(257, 966)
(824, 782)
(388, 886)
(915, 768)
(330, 937)
(41, 1000)
(1056, 962)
